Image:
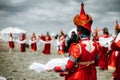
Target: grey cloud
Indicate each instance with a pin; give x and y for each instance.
(57, 14)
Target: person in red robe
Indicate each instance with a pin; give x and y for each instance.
(47, 46)
(81, 64)
(116, 47)
(112, 57)
(22, 42)
(33, 42)
(95, 35)
(62, 43)
(11, 43)
(103, 60)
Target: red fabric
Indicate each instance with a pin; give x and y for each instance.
(105, 36)
(47, 46)
(112, 60)
(62, 45)
(83, 16)
(46, 49)
(22, 47)
(42, 37)
(103, 60)
(81, 72)
(104, 57)
(115, 46)
(34, 46)
(11, 44)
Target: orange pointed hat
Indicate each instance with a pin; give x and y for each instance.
(82, 19)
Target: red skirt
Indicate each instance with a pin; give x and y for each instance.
(47, 49)
(34, 46)
(11, 44)
(22, 47)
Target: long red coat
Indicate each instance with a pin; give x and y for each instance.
(11, 43)
(103, 60)
(81, 65)
(34, 44)
(47, 46)
(112, 59)
(116, 46)
(62, 45)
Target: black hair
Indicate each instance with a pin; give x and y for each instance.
(83, 30)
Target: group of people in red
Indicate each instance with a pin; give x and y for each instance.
(32, 42)
(86, 54)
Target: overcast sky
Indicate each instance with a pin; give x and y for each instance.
(40, 16)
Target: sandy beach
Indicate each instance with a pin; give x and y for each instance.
(15, 65)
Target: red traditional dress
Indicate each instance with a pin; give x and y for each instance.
(81, 65)
(112, 58)
(34, 45)
(11, 43)
(22, 43)
(62, 44)
(33, 42)
(103, 60)
(42, 37)
(47, 46)
(116, 46)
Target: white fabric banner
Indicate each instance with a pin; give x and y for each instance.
(38, 67)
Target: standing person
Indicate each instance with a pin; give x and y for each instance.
(81, 64)
(103, 60)
(61, 43)
(11, 43)
(33, 42)
(116, 46)
(95, 35)
(22, 42)
(112, 57)
(47, 46)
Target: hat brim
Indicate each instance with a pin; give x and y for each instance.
(78, 22)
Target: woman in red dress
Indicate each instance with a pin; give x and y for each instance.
(22, 42)
(33, 42)
(81, 64)
(47, 46)
(62, 43)
(11, 43)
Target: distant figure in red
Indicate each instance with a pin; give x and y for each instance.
(116, 47)
(95, 35)
(62, 43)
(47, 46)
(11, 43)
(33, 42)
(103, 60)
(22, 42)
(112, 58)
